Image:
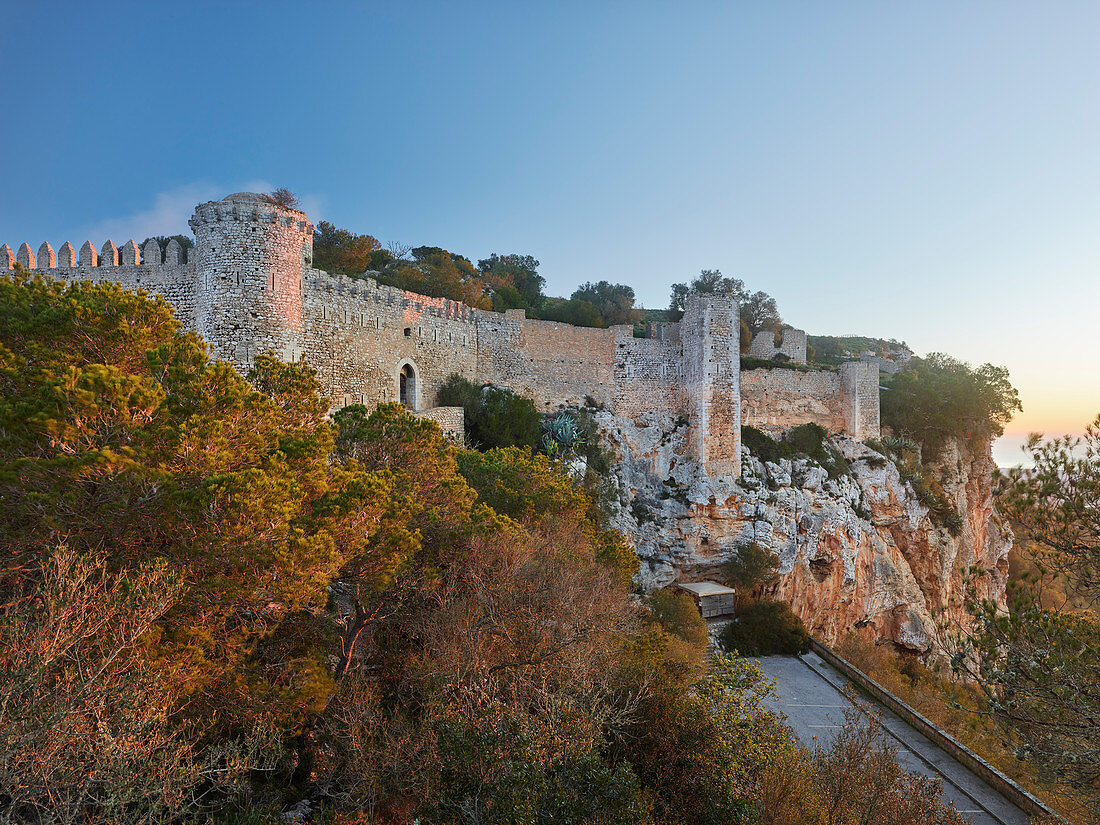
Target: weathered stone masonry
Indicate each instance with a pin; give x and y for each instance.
(844, 401)
(249, 286)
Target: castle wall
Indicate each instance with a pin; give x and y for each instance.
(663, 331)
(358, 335)
(793, 346)
(173, 279)
(649, 374)
(847, 401)
(250, 287)
(763, 345)
(554, 364)
(777, 399)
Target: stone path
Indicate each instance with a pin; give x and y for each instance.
(809, 695)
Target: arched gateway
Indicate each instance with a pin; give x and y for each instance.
(407, 389)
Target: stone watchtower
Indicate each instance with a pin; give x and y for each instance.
(711, 336)
(249, 256)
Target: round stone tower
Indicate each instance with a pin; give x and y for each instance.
(249, 257)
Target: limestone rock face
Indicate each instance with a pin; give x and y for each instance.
(856, 552)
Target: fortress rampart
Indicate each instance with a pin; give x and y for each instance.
(249, 286)
(844, 401)
(173, 276)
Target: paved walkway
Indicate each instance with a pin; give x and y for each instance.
(809, 694)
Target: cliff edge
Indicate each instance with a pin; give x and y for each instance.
(856, 551)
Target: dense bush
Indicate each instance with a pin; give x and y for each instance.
(677, 613)
(805, 439)
(343, 252)
(766, 628)
(763, 446)
(938, 397)
(532, 490)
(613, 302)
(494, 416)
(131, 462)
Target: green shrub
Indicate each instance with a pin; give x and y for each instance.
(494, 417)
(751, 566)
(876, 445)
(937, 397)
(766, 628)
(460, 392)
(810, 440)
(879, 461)
(776, 364)
(806, 439)
(676, 612)
(763, 446)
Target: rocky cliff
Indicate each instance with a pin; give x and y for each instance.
(858, 551)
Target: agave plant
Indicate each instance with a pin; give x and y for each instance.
(561, 437)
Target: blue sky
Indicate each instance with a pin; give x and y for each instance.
(924, 171)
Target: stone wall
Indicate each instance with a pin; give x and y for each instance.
(552, 363)
(847, 401)
(793, 345)
(173, 277)
(777, 399)
(451, 421)
(250, 287)
(360, 335)
(649, 374)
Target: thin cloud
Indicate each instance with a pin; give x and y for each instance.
(168, 215)
(170, 211)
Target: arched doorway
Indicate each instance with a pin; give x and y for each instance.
(407, 386)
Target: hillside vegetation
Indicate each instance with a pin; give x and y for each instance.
(836, 349)
(939, 397)
(218, 605)
(512, 281)
(499, 282)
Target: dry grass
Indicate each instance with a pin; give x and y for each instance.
(957, 708)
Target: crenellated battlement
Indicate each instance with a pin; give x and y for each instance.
(249, 286)
(164, 272)
(250, 208)
(247, 207)
(368, 289)
(110, 256)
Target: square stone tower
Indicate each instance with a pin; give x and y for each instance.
(711, 335)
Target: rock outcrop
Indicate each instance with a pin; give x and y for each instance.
(858, 551)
